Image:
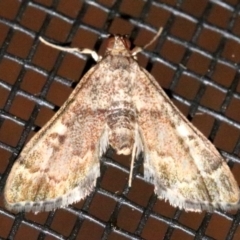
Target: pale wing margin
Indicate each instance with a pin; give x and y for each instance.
(60, 165)
(184, 166)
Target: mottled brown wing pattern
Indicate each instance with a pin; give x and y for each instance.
(60, 164)
(184, 166)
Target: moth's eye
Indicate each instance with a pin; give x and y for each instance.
(126, 43)
(111, 42)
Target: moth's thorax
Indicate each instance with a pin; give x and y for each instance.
(118, 45)
(121, 121)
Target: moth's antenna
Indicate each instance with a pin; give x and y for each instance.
(94, 55)
(136, 50)
(153, 39)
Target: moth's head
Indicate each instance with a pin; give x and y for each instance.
(118, 45)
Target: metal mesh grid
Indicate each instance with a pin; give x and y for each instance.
(196, 60)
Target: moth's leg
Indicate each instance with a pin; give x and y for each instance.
(94, 55)
(134, 149)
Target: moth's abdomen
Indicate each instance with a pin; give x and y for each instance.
(121, 122)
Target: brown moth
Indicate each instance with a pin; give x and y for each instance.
(119, 103)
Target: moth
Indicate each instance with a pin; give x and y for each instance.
(119, 103)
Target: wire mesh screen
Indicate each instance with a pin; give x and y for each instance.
(196, 60)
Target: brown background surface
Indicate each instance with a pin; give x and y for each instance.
(196, 60)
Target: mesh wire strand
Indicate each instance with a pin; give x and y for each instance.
(82, 220)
